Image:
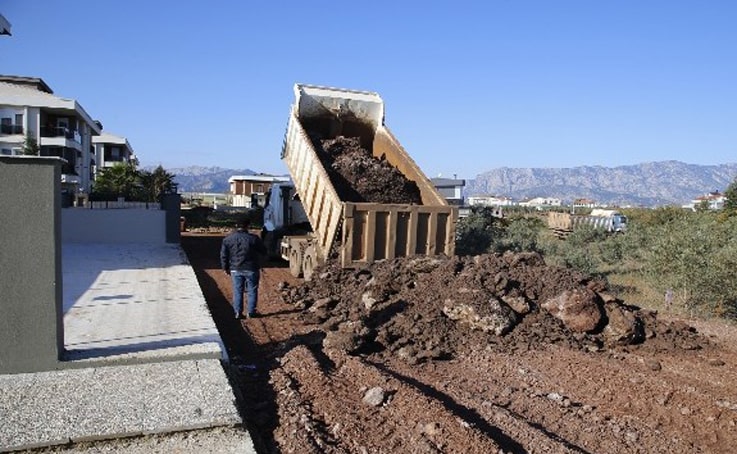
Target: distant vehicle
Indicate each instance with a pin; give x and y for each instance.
(354, 233)
(611, 221)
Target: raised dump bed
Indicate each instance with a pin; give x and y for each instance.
(356, 233)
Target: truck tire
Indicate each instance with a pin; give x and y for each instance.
(295, 261)
(309, 261)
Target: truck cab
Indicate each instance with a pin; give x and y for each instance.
(619, 223)
(283, 215)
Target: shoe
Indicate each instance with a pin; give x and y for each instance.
(238, 316)
(253, 315)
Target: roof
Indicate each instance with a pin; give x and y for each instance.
(106, 137)
(261, 178)
(711, 196)
(35, 82)
(490, 196)
(31, 92)
(446, 182)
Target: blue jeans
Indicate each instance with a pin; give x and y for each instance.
(249, 280)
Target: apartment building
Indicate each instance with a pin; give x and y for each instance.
(450, 188)
(248, 190)
(31, 113)
(109, 150)
(584, 203)
(490, 201)
(541, 202)
(711, 201)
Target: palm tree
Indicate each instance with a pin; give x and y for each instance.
(156, 183)
(120, 180)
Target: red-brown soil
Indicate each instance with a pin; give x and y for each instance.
(373, 361)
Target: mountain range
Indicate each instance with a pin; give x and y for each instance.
(205, 179)
(647, 184)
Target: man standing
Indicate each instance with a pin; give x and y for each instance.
(240, 255)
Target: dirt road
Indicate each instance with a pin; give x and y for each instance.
(533, 390)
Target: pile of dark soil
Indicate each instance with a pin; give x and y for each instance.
(358, 176)
(434, 308)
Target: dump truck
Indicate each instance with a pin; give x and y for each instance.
(612, 221)
(352, 233)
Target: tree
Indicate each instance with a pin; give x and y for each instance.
(730, 204)
(120, 180)
(30, 146)
(695, 257)
(156, 183)
(475, 234)
(521, 234)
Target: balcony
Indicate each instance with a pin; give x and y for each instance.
(113, 161)
(61, 131)
(11, 129)
(60, 136)
(70, 155)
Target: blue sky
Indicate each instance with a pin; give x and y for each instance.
(468, 86)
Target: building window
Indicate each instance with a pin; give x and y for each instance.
(6, 151)
(19, 119)
(6, 125)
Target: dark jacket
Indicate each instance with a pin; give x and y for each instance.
(241, 251)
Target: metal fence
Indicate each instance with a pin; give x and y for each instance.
(120, 205)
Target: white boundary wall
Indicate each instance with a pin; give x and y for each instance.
(82, 225)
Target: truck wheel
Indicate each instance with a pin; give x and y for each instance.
(309, 262)
(295, 261)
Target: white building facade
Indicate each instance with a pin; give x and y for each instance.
(109, 150)
(31, 113)
(249, 190)
(541, 202)
(489, 201)
(450, 189)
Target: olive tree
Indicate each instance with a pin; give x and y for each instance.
(695, 256)
(730, 204)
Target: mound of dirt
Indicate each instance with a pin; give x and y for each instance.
(358, 176)
(522, 381)
(426, 308)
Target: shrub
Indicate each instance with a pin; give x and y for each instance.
(695, 256)
(476, 232)
(521, 233)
